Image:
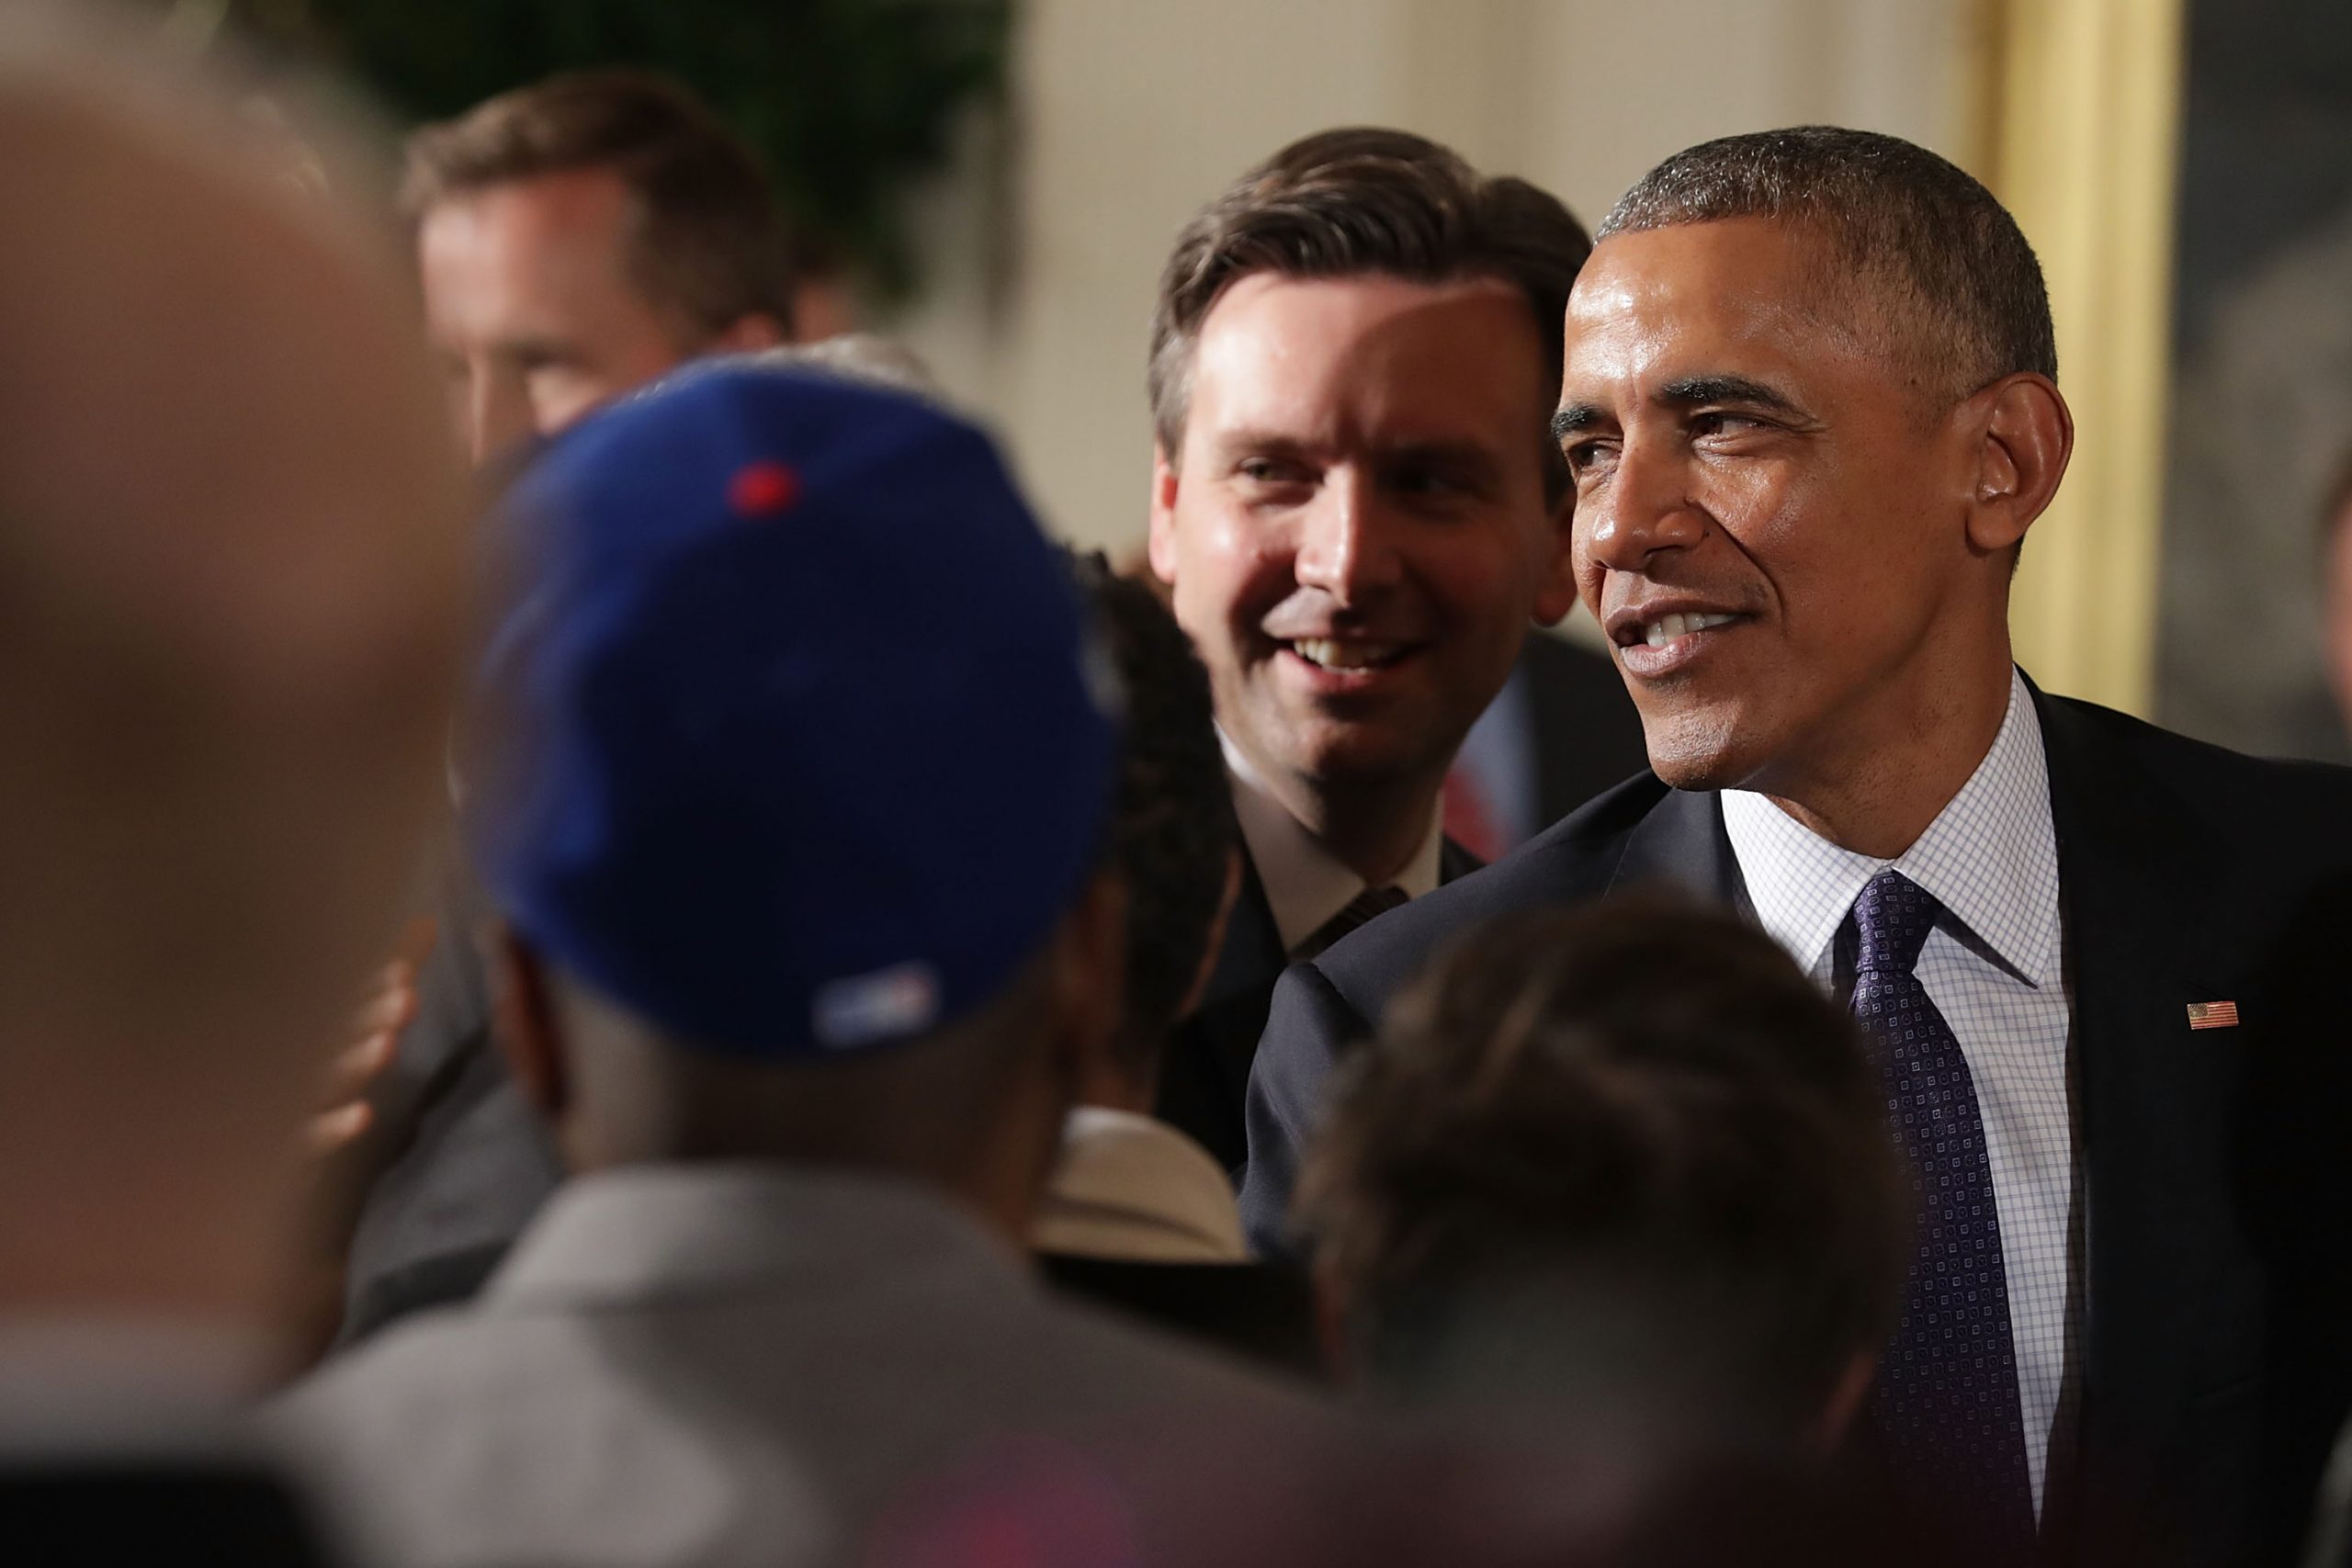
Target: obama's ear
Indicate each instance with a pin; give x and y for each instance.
(2026, 438)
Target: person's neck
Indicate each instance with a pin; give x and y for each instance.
(996, 1181)
(1879, 786)
(1117, 1087)
(1372, 830)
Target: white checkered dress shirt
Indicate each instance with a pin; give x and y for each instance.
(1994, 966)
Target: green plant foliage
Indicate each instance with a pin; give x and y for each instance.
(847, 100)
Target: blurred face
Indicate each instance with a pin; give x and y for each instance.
(1355, 527)
(216, 790)
(1770, 525)
(530, 305)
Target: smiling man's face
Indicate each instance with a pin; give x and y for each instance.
(1769, 517)
(1355, 527)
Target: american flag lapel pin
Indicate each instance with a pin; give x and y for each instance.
(2212, 1015)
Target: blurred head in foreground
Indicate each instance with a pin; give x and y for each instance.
(792, 774)
(229, 561)
(1625, 1166)
(582, 235)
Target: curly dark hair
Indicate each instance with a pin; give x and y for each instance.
(1172, 833)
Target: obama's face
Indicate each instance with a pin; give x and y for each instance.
(1771, 525)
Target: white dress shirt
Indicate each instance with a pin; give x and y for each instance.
(1994, 966)
(1135, 1189)
(1307, 883)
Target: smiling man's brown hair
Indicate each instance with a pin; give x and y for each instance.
(1351, 202)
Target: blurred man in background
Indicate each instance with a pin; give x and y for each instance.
(1359, 516)
(579, 237)
(1619, 1175)
(231, 553)
(810, 952)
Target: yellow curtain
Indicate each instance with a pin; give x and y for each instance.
(2073, 113)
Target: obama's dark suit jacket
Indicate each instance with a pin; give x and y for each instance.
(2217, 1354)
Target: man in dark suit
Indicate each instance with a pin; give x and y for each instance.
(1358, 514)
(1810, 401)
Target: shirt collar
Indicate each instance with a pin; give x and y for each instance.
(1990, 858)
(1307, 883)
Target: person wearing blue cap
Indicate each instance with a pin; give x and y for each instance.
(791, 767)
(457, 1162)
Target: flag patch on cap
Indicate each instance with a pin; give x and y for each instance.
(888, 1004)
(2212, 1015)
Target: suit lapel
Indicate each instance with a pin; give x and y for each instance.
(1252, 956)
(2151, 1092)
(1213, 1049)
(1680, 843)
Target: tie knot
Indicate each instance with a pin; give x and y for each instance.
(1893, 916)
(1364, 907)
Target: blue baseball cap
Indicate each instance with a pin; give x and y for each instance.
(789, 736)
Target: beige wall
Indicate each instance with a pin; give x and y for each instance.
(1128, 114)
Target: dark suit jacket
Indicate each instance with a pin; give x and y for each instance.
(1587, 733)
(1206, 1067)
(2218, 1321)
(466, 1161)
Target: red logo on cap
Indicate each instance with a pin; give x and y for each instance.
(761, 490)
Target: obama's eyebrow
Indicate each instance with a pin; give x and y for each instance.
(1576, 418)
(1684, 392)
(1700, 391)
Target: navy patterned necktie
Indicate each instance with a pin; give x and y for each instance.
(1946, 1402)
